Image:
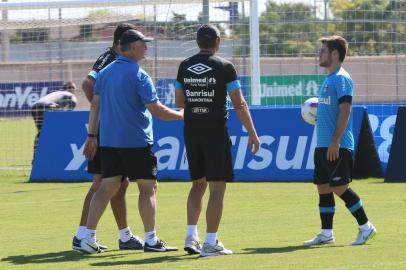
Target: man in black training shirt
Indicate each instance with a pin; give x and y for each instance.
(202, 85)
(118, 204)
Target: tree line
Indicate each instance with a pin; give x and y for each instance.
(372, 27)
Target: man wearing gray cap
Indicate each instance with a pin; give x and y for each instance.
(125, 98)
(127, 240)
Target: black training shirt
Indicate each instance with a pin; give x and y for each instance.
(205, 80)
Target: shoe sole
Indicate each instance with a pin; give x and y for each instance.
(160, 250)
(372, 235)
(213, 254)
(129, 248)
(79, 249)
(76, 248)
(86, 252)
(321, 244)
(191, 250)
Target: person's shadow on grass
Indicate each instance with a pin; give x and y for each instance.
(270, 250)
(161, 259)
(55, 257)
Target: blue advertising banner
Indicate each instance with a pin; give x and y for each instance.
(382, 119)
(286, 154)
(59, 151)
(17, 98)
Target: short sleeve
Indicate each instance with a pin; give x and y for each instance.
(179, 78)
(147, 90)
(344, 86)
(96, 88)
(92, 74)
(231, 79)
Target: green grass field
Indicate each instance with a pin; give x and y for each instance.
(16, 143)
(263, 223)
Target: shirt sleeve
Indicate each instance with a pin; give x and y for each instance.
(147, 90)
(179, 79)
(96, 88)
(231, 79)
(104, 60)
(92, 74)
(344, 86)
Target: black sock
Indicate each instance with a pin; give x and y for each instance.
(327, 208)
(354, 205)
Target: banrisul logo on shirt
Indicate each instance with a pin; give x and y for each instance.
(199, 68)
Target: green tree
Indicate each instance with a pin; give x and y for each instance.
(369, 24)
(287, 29)
(36, 35)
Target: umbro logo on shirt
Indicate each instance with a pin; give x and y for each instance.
(199, 68)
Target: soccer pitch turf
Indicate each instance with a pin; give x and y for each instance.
(263, 223)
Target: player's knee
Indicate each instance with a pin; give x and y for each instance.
(217, 189)
(199, 185)
(108, 190)
(124, 184)
(339, 190)
(97, 180)
(148, 190)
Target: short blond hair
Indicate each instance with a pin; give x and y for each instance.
(336, 43)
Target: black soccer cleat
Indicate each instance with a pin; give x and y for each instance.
(135, 243)
(160, 246)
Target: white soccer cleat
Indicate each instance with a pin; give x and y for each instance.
(216, 250)
(320, 239)
(192, 245)
(364, 235)
(89, 247)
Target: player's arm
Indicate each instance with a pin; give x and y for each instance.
(87, 87)
(342, 122)
(91, 142)
(149, 97)
(344, 89)
(179, 96)
(241, 109)
(162, 112)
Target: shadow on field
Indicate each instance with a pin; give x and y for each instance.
(53, 257)
(270, 250)
(163, 259)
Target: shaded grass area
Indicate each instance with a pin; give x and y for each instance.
(263, 223)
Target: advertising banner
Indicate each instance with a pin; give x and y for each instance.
(286, 154)
(382, 119)
(17, 98)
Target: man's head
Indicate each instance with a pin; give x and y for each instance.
(133, 44)
(208, 37)
(333, 50)
(69, 86)
(120, 29)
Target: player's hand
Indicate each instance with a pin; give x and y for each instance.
(90, 148)
(253, 143)
(181, 111)
(333, 151)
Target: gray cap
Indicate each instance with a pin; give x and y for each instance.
(130, 36)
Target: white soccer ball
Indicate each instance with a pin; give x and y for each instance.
(309, 110)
